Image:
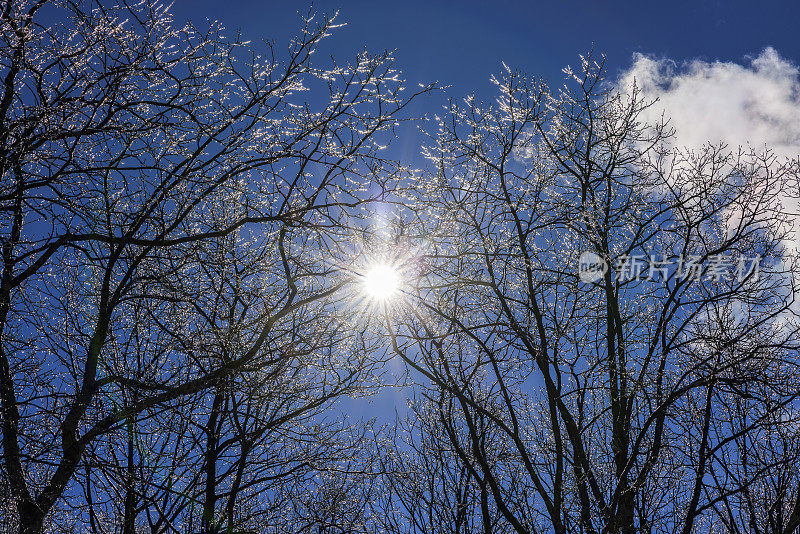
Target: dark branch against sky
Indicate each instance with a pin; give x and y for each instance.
(227, 240)
(461, 44)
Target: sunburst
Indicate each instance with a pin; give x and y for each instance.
(381, 282)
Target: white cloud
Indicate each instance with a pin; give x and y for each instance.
(753, 105)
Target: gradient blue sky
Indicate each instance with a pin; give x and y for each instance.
(461, 43)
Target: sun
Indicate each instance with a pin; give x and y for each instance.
(381, 282)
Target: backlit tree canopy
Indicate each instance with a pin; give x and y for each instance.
(210, 247)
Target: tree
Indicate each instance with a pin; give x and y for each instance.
(429, 489)
(612, 398)
(755, 484)
(141, 163)
(184, 221)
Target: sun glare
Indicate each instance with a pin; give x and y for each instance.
(381, 282)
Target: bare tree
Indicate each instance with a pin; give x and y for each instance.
(130, 149)
(183, 220)
(612, 397)
(428, 487)
(755, 482)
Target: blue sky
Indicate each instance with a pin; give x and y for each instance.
(461, 43)
(723, 71)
